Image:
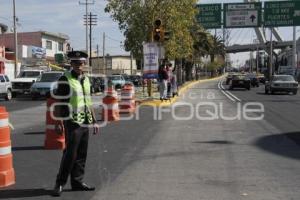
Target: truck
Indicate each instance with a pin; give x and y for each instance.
(24, 81)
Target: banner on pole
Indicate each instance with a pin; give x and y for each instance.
(151, 60)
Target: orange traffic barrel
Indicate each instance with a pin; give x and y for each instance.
(110, 109)
(111, 92)
(7, 172)
(127, 104)
(53, 140)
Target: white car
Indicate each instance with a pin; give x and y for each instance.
(281, 83)
(5, 87)
(24, 81)
(44, 84)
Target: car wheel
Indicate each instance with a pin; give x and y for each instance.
(14, 94)
(266, 91)
(8, 96)
(272, 92)
(248, 88)
(118, 87)
(295, 92)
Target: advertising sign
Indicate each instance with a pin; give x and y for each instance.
(151, 60)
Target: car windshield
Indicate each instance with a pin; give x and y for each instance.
(29, 74)
(50, 77)
(283, 78)
(114, 78)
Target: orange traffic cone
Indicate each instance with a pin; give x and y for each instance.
(110, 109)
(7, 172)
(53, 140)
(127, 104)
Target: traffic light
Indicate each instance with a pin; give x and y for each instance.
(166, 35)
(157, 30)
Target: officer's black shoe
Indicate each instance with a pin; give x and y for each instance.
(82, 187)
(58, 189)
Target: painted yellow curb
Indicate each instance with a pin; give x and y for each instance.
(158, 103)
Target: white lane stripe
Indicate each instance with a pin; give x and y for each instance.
(222, 90)
(3, 122)
(5, 150)
(233, 96)
(229, 93)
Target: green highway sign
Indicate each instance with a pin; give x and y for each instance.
(210, 15)
(282, 13)
(242, 15)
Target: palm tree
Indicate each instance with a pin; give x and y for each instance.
(217, 47)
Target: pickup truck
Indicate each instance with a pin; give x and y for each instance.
(24, 81)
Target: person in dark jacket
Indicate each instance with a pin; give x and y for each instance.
(163, 80)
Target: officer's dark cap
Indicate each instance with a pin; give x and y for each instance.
(77, 55)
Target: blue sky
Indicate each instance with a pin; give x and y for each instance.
(66, 16)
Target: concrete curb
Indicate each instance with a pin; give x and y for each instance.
(158, 103)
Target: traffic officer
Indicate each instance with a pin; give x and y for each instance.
(77, 116)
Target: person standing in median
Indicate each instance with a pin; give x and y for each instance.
(163, 79)
(77, 117)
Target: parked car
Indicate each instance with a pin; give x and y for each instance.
(253, 80)
(117, 81)
(136, 80)
(281, 83)
(24, 81)
(45, 83)
(5, 87)
(240, 81)
(261, 78)
(97, 83)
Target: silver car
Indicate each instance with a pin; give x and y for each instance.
(44, 84)
(281, 83)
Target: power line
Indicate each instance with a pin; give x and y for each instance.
(113, 39)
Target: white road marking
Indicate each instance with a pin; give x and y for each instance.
(222, 90)
(227, 93)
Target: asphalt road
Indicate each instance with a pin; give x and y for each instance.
(174, 153)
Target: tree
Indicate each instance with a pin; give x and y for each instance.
(217, 47)
(136, 19)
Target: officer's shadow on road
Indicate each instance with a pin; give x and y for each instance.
(285, 144)
(23, 193)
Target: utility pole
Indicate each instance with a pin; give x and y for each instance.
(271, 55)
(98, 58)
(294, 47)
(131, 62)
(86, 3)
(90, 20)
(16, 38)
(103, 58)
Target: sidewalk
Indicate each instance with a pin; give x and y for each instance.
(155, 101)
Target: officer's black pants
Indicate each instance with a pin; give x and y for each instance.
(74, 156)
